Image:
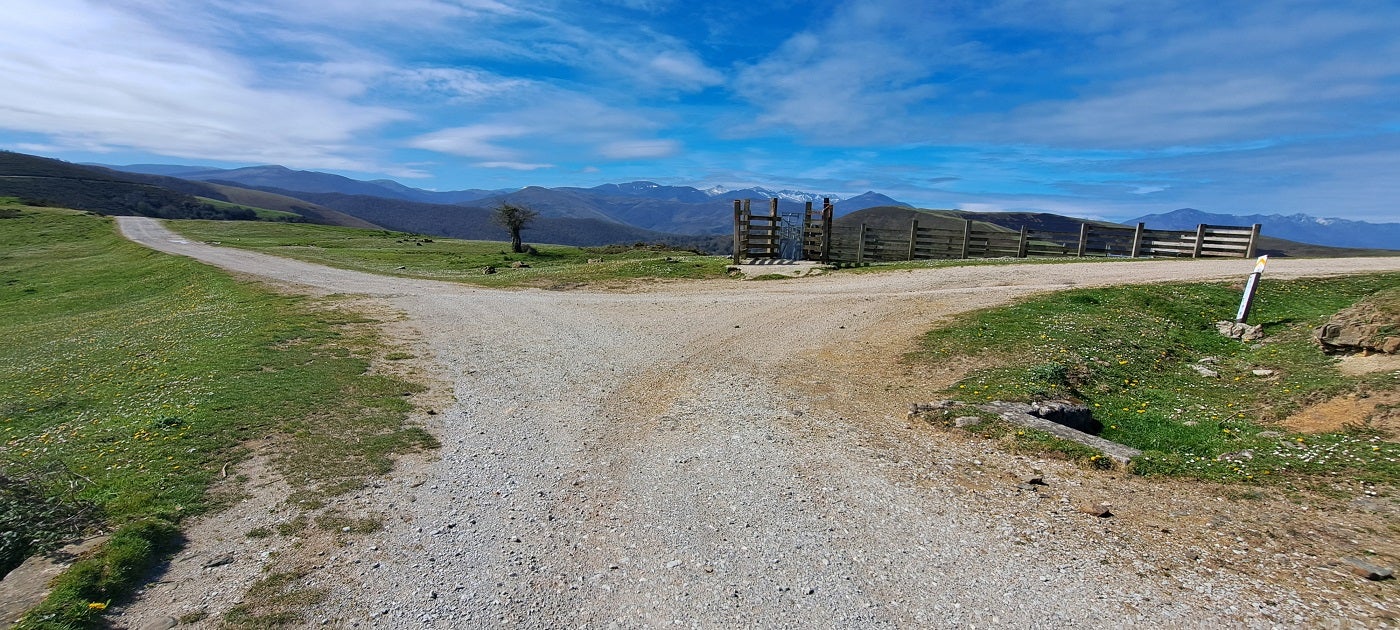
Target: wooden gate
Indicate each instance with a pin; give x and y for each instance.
(756, 235)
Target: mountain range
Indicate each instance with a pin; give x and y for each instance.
(630, 212)
(1294, 227)
(642, 204)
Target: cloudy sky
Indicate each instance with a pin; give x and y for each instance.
(1101, 108)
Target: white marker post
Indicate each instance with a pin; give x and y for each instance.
(1250, 286)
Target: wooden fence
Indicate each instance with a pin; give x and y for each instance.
(758, 236)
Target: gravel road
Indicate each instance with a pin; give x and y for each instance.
(722, 453)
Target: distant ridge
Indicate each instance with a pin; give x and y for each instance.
(660, 209)
(46, 181)
(273, 176)
(1295, 227)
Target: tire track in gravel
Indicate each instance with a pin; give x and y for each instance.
(722, 454)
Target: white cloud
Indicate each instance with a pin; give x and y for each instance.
(514, 166)
(456, 83)
(355, 14)
(631, 149)
(475, 141)
(90, 75)
(542, 122)
(1100, 73)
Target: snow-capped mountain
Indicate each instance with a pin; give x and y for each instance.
(758, 192)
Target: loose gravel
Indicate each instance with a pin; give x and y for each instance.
(723, 453)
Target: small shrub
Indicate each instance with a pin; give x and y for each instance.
(39, 511)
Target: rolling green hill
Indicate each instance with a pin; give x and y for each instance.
(96, 189)
(898, 218)
(43, 181)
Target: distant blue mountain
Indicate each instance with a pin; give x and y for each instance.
(1294, 227)
(650, 190)
(868, 199)
(641, 204)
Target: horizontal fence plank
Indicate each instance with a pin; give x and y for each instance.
(766, 235)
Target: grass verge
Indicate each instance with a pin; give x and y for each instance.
(138, 375)
(417, 256)
(1128, 352)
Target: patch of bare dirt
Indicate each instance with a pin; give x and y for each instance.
(1359, 364)
(1377, 410)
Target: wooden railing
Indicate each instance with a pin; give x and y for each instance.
(758, 236)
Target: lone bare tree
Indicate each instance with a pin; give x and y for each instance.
(514, 218)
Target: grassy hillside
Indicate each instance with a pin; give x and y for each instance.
(1033, 220)
(129, 379)
(415, 255)
(897, 218)
(61, 184)
(314, 213)
(1132, 354)
(56, 183)
(262, 214)
(1282, 247)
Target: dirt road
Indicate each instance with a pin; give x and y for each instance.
(735, 454)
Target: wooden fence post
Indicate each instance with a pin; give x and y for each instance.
(748, 227)
(1253, 241)
(1083, 239)
(738, 237)
(967, 236)
(1025, 242)
(860, 246)
(806, 228)
(775, 243)
(913, 237)
(828, 212)
(1200, 240)
(1137, 239)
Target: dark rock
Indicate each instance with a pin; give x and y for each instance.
(1100, 510)
(1364, 569)
(1072, 415)
(488, 270)
(219, 560)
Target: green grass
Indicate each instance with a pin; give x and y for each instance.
(277, 601)
(263, 213)
(137, 376)
(417, 256)
(1126, 352)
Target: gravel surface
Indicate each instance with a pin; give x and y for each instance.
(736, 454)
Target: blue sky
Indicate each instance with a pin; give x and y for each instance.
(1097, 108)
